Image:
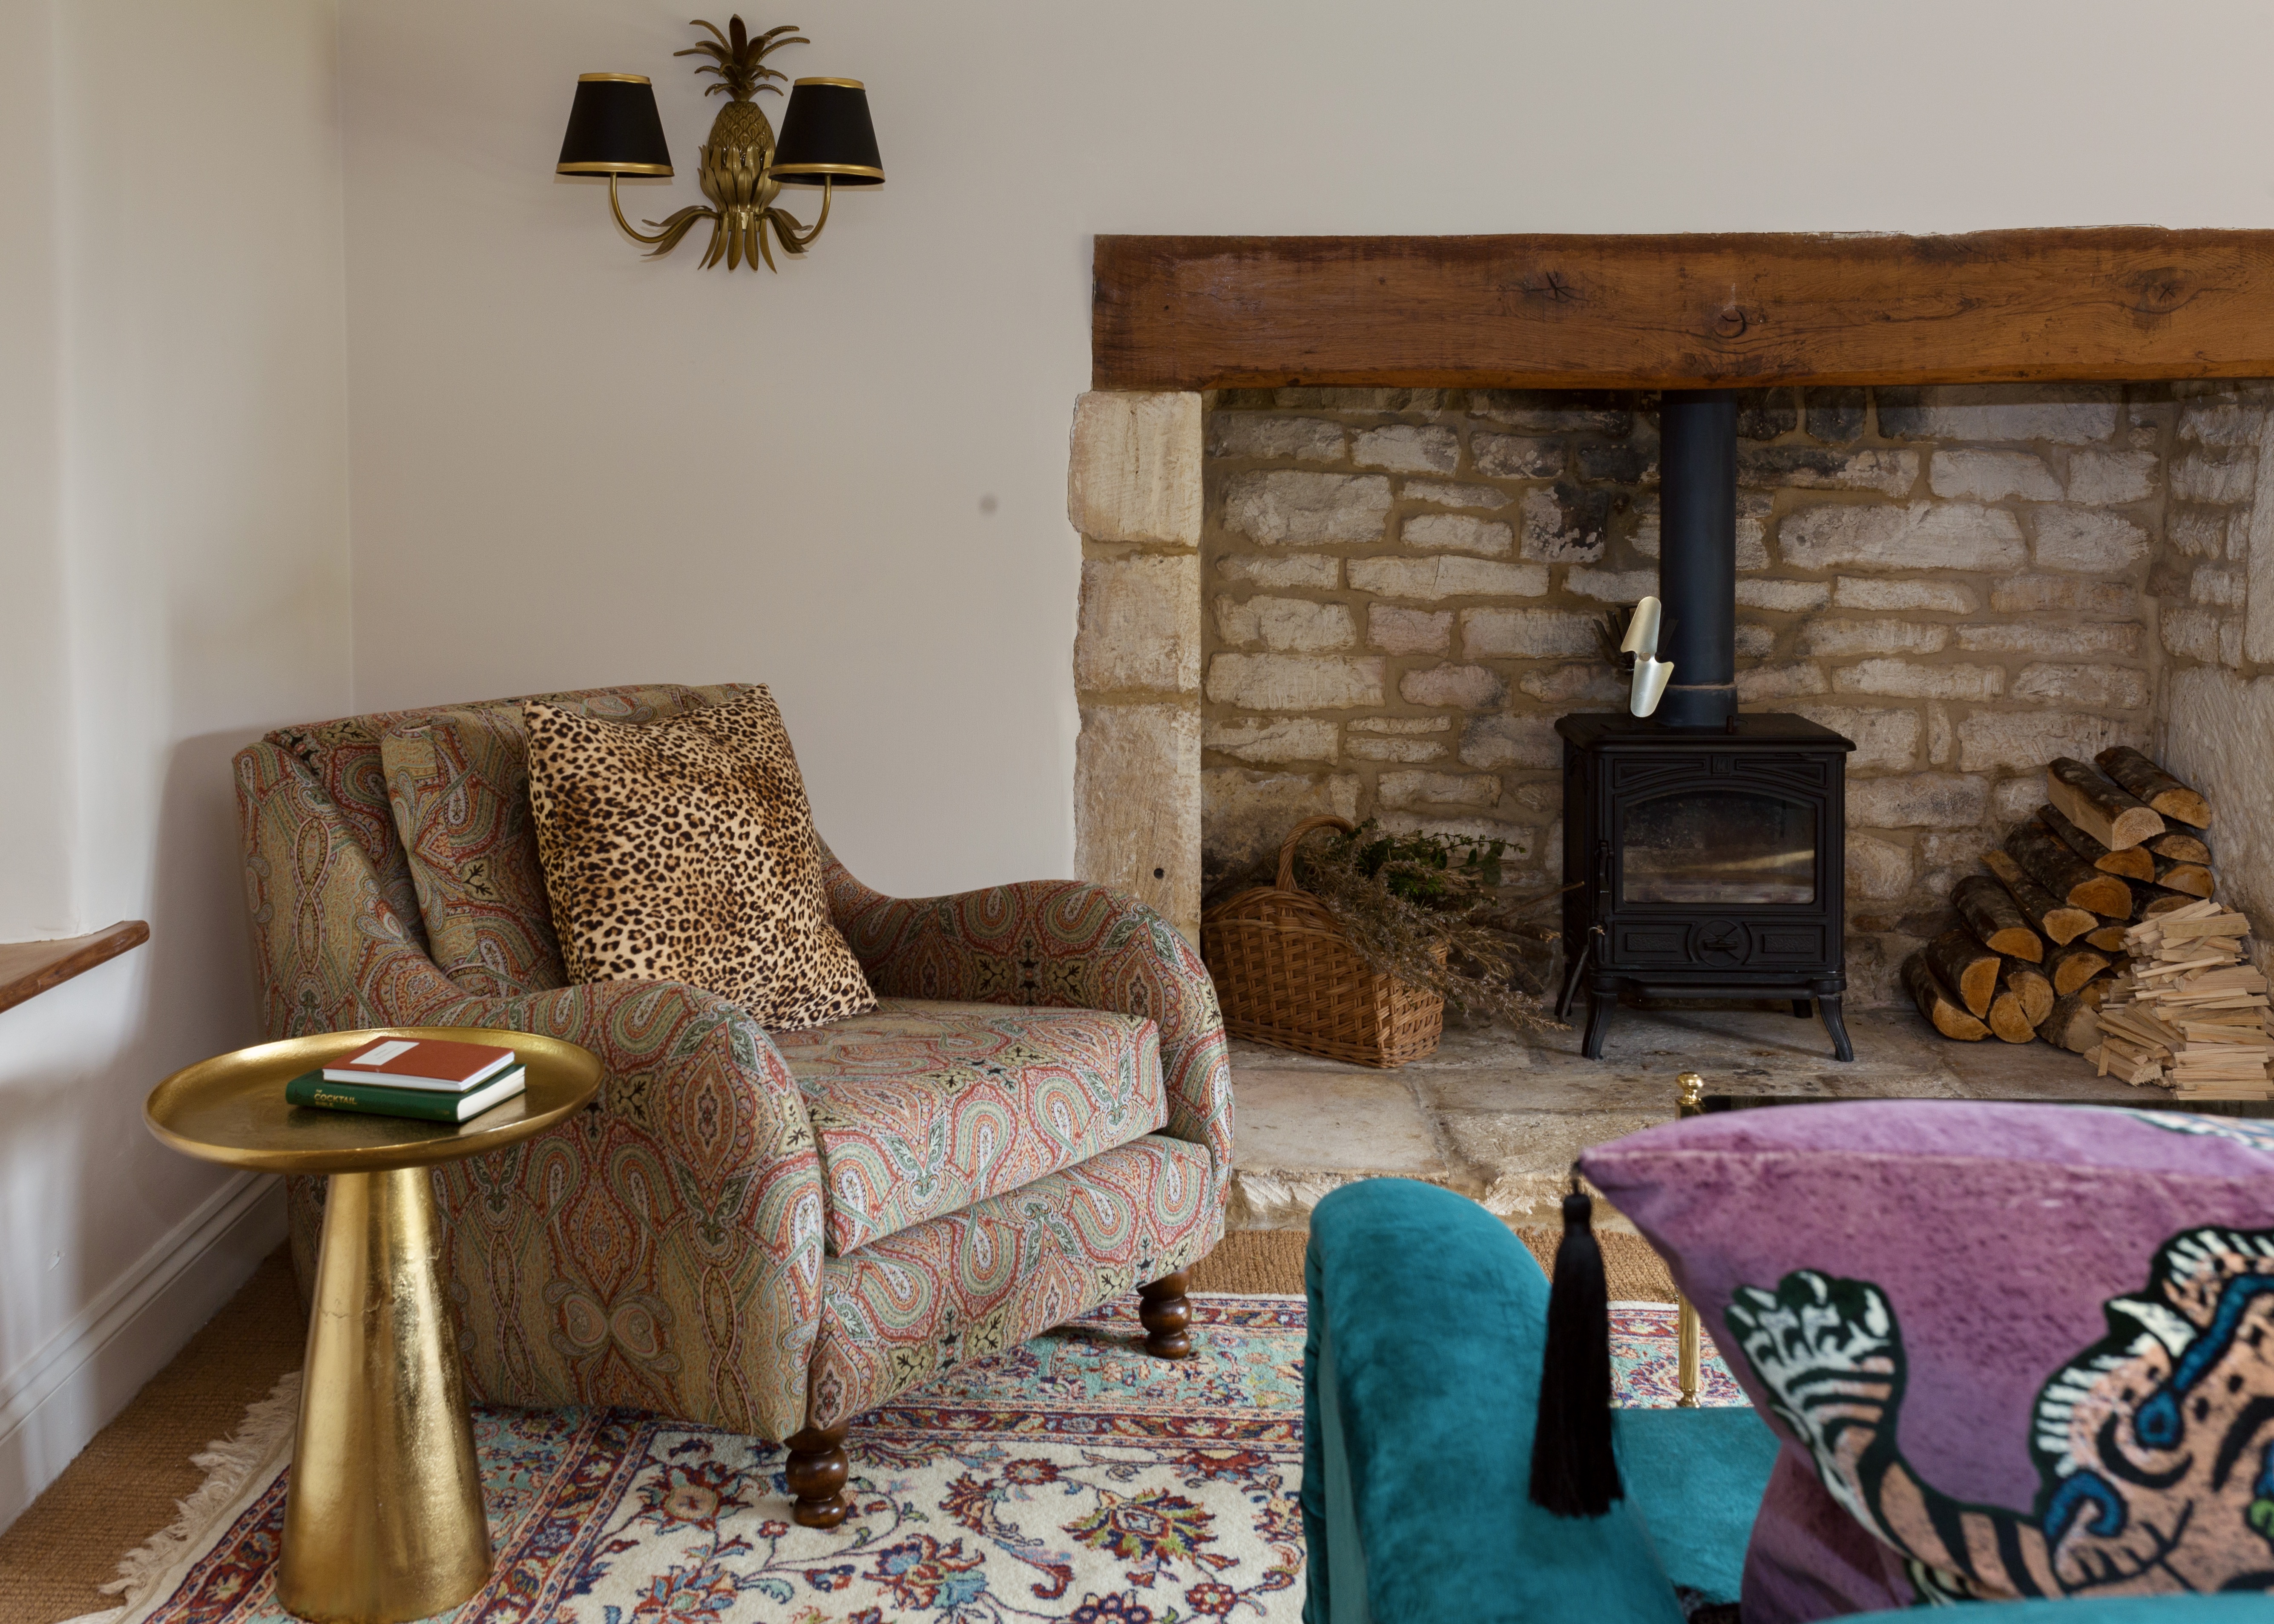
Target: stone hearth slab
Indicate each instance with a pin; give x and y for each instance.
(1501, 1118)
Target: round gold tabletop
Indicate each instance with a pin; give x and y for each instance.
(231, 1108)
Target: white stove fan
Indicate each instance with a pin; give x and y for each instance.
(1651, 673)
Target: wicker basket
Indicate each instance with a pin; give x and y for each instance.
(1286, 975)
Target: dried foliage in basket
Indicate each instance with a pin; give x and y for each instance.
(1357, 960)
(1428, 910)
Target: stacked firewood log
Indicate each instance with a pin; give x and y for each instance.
(2040, 936)
(2189, 1011)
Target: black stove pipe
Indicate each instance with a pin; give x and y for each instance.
(1697, 555)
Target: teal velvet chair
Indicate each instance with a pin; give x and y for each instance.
(1420, 1378)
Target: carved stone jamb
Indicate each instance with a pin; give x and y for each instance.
(1133, 496)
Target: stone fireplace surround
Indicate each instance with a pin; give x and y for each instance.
(1374, 599)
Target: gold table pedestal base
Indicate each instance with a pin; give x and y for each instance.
(383, 1517)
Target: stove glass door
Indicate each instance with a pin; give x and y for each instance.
(1718, 847)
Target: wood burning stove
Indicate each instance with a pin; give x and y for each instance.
(1709, 864)
(1704, 849)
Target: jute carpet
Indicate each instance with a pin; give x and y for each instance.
(123, 1487)
(1637, 1274)
(1272, 1260)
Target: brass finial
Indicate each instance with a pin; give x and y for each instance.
(1690, 1093)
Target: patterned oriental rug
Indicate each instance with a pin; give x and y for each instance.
(1072, 1479)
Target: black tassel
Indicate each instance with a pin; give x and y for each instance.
(1574, 1472)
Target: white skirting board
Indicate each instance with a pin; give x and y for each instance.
(56, 1400)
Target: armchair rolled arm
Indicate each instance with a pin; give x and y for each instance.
(1059, 944)
(693, 1184)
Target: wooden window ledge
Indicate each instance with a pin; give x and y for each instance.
(30, 968)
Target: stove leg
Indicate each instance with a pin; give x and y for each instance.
(1571, 980)
(1599, 1022)
(1802, 1009)
(1841, 1049)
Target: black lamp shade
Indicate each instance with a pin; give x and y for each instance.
(613, 128)
(826, 136)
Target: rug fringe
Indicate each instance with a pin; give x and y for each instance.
(228, 1464)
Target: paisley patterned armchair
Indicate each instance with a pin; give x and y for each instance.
(770, 1233)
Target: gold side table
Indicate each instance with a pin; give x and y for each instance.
(383, 1517)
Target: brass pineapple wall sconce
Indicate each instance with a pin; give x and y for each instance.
(826, 142)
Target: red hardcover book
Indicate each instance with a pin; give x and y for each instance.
(421, 1063)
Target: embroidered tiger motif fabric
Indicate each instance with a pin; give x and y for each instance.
(684, 851)
(2154, 1446)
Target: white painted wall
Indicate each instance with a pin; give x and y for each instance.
(573, 466)
(37, 806)
(173, 581)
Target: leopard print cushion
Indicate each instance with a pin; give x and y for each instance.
(684, 851)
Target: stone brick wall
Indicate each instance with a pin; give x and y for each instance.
(2214, 579)
(1401, 586)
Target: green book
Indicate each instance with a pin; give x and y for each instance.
(426, 1104)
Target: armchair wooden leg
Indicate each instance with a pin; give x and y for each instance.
(1166, 1314)
(817, 1470)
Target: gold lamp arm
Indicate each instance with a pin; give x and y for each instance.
(616, 206)
(674, 229)
(796, 237)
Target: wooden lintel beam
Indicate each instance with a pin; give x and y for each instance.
(1702, 311)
